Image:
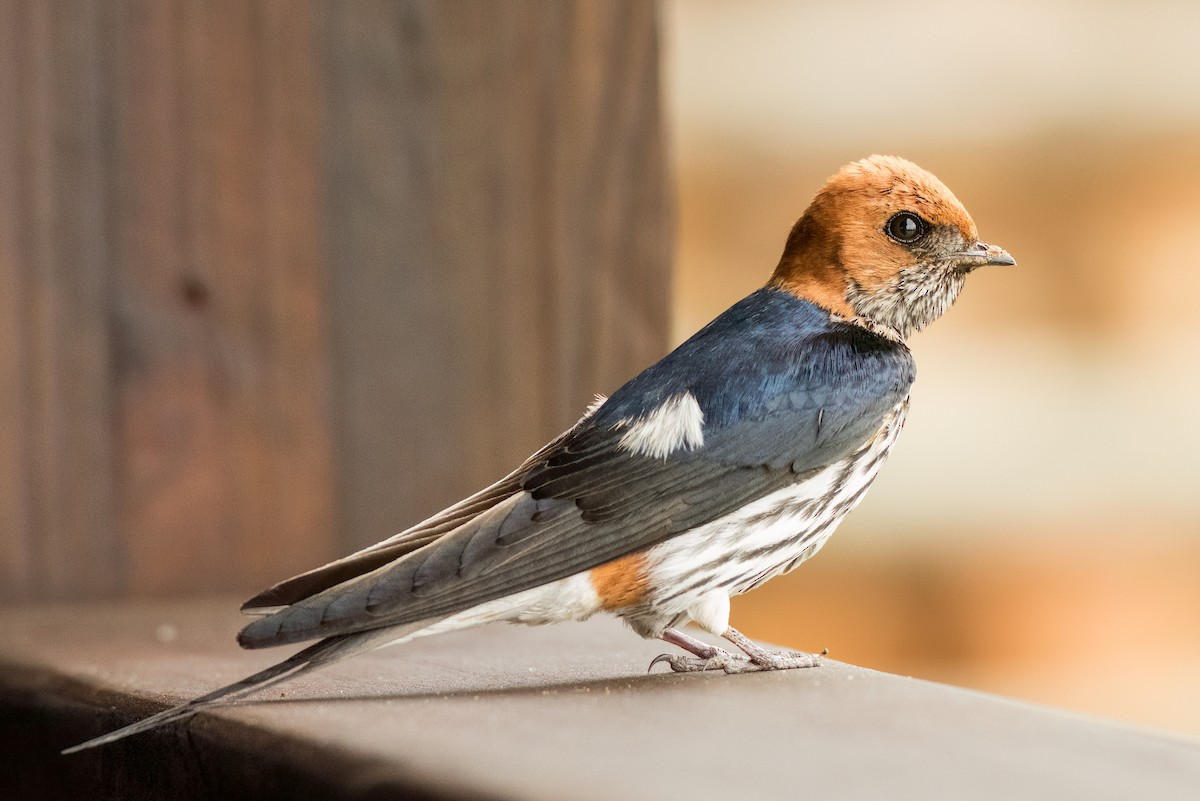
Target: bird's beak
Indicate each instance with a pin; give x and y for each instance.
(981, 254)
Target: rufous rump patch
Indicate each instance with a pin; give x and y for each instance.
(622, 582)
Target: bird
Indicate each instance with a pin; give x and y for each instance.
(725, 464)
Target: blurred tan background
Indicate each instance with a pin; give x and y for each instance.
(1036, 531)
(278, 279)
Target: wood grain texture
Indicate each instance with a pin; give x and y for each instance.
(56, 467)
(280, 277)
(220, 324)
(499, 236)
(561, 713)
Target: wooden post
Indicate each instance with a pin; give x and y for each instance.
(58, 506)
(499, 236)
(280, 277)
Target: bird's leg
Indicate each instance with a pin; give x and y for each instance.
(705, 656)
(710, 657)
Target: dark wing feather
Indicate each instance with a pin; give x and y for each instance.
(310, 583)
(780, 398)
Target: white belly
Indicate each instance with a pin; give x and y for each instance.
(696, 572)
(693, 575)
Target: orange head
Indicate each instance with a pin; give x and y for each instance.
(886, 243)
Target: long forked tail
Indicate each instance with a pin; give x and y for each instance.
(317, 655)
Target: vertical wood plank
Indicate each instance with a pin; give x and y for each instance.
(59, 533)
(16, 512)
(499, 235)
(473, 191)
(223, 373)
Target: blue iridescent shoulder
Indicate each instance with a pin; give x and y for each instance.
(768, 346)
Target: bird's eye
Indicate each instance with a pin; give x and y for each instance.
(906, 227)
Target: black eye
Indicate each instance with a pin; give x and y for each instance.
(906, 227)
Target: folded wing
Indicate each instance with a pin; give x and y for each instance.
(783, 392)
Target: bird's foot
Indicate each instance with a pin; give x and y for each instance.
(772, 660)
(695, 664)
(709, 657)
(704, 656)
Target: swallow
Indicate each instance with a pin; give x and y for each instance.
(727, 463)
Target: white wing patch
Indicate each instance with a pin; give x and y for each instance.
(594, 406)
(677, 423)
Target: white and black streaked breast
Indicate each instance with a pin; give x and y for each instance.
(695, 574)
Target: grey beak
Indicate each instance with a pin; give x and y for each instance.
(994, 254)
(982, 254)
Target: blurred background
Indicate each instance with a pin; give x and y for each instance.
(1036, 531)
(278, 279)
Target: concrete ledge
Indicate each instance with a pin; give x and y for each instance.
(559, 713)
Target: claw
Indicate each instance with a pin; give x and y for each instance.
(660, 658)
(709, 657)
(699, 664)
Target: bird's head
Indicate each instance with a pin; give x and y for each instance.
(884, 242)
